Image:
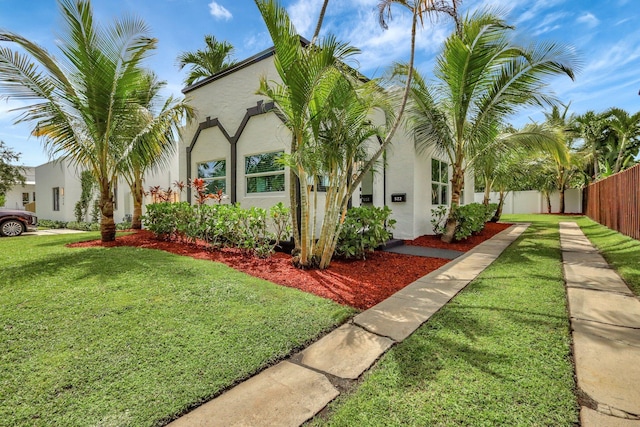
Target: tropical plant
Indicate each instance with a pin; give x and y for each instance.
(483, 76)
(87, 183)
(327, 110)
(203, 63)
(565, 171)
(10, 175)
(82, 105)
(627, 131)
(156, 125)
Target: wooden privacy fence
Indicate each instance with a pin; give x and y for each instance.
(615, 202)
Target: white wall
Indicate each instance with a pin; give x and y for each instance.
(527, 202)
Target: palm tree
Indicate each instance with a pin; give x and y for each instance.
(203, 63)
(82, 105)
(156, 126)
(564, 170)
(590, 127)
(627, 129)
(482, 78)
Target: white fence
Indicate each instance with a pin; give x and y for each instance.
(526, 202)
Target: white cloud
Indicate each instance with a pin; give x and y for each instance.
(304, 15)
(219, 11)
(589, 19)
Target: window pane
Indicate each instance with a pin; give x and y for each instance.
(212, 169)
(265, 184)
(444, 172)
(323, 183)
(444, 189)
(216, 184)
(435, 170)
(435, 193)
(260, 163)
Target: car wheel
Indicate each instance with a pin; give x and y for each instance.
(11, 228)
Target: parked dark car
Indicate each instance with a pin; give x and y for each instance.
(15, 222)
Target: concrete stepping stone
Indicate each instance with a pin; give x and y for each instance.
(346, 352)
(594, 276)
(431, 289)
(591, 418)
(604, 307)
(283, 395)
(607, 367)
(588, 259)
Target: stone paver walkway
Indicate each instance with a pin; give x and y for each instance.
(605, 323)
(295, 390)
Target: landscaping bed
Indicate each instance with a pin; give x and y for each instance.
(357, 283)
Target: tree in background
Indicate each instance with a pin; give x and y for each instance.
(82, 104)
(626, 129)
(10, 174)
(87, 184)
(482, 78)
(156, 125)
(203, 63)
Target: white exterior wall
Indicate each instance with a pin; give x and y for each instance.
(13, 197)
(227, 98)
(51, 175)
(527, 202)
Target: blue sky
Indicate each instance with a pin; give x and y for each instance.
(606, 35)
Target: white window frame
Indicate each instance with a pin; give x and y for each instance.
(440, 184)
(277, 172)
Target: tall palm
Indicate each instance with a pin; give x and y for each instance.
(308, 75)
(590, 127)
(82, 104)
(156, 126)
(203, 63)
(627, 129)
(564, 170)
(482, 78)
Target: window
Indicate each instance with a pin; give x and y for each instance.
(264, 173)
(323, 183)
(214, 174)
(439, 182)
(25, 198)
(56, 198)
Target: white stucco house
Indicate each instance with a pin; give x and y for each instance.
(22, 196)
(58, 187)
(236, 135)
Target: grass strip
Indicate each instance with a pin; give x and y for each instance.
(497, 354)
(131, 337)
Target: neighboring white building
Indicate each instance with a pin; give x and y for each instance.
(21, 195)
(58, 188)
(233, 140)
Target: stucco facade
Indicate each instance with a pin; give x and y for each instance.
(21, 196)
(234, 123)
(58, 189)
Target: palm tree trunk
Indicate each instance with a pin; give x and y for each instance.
(562, 190)
(498, 214)
(618, 165)
(547, 196)
(457, 181)
(107, 225)
(137, 194)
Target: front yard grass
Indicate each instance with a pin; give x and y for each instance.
(497, 354)
(127, 336)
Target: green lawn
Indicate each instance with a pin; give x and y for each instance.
(126, 336)
(497, 354)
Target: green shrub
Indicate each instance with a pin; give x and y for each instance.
(79, 225)
(50, 223)
(221, 225)
(363, 230)
(124, 225)
(471, 219)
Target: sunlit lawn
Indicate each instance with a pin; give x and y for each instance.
(125, 336)
(497, 355)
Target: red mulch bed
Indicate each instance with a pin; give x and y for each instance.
(359, 284)
(490, 230)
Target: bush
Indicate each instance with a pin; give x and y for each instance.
(471, 219)
(50, 223)
(221, 225)
(79, 225)
(363, 230)
(124, 225)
